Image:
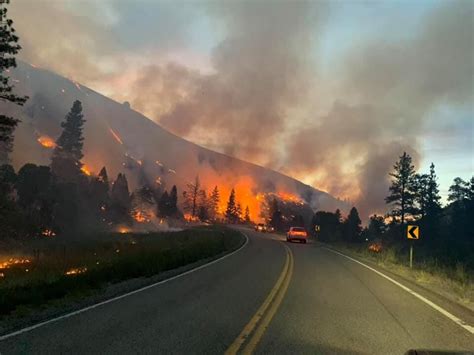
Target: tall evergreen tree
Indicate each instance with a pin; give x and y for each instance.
(214, 200)
(402, 188)
(66, 160)
(352, 226)
(231, 210)
(433, 204)
(458, 191)
(121, 203)
(173, 202)
(191, 197)
(98, 199)
(9, 47)
(420, 189)
(247, 215)
(238, 212)
(376, 227)
(164, 205)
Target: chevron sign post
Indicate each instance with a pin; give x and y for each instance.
(413, 233)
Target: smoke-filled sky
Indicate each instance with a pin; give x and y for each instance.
(330, 93)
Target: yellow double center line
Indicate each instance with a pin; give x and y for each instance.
(250, 336)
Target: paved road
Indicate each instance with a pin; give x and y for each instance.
(331, 305)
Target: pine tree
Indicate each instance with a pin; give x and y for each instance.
(458, 191)
(247, 215)
(191, 196)
(173, 201)
(376, 227)
(98, 199)
(164, 205)
(120, 200)
(238, 212)
(352, 226)
(420, 184)
(66, 160)
(433, 204)
(231, 210)
(214, 200)
(402, 188)
(9, 47)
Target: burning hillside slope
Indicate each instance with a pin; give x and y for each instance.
(125, 141)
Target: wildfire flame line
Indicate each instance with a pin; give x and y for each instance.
(116, 136)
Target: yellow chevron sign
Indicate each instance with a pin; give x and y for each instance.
(413, 232)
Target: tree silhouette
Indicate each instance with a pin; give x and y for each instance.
(9, 47)
(173, 202)
(352, 226)
(458, 191)
(402, 189)
(120, 201)
(191, 196)
(214, 200)
(247, 215)
(66, 159)
(231, 212)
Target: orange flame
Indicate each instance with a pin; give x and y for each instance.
(123, 230)
(116, 136)
(13, 261)
(48, 233)
(141, 217)
(76, 271)
(85, 169)
(46, 142)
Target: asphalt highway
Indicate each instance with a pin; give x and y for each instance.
(271, 297)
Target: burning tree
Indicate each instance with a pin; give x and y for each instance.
(167, 203)
(214, 200)
(99, 199)
(9, 47)
(247, 215)
(231, 212)
(66, 160)
(191, 197)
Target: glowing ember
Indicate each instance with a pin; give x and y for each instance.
(159, 163)
(12, 262)
(2, 275)
(158, 180)
(189, 218)
(141, 217)
(86, 170)
(76, 271)
(375, 247)
(123, 230)
(46, 142)
(172, 171)
(48, 233)
(115, 135)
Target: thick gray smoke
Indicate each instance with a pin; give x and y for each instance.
(267, 99)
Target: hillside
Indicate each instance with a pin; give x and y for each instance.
(123, 140)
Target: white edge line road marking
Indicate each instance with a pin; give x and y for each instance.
(444, 312)
(82, 310)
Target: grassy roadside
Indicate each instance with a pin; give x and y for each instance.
(454, 284)
(51, 272)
